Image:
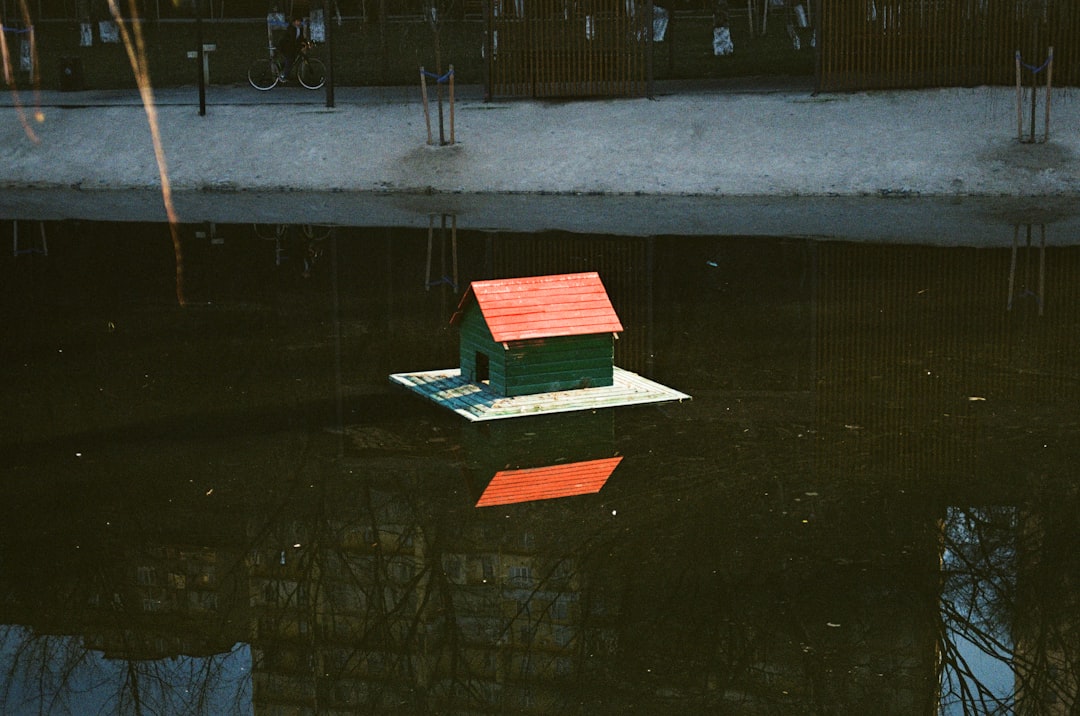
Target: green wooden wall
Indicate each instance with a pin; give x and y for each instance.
(536, 366)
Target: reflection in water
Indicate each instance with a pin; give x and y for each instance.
(510, 487)
(228, 508)
(68, 674)
(978, 601)
(1031, 282)
(25, 240)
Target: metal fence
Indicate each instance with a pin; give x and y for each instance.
(869, 44)
(564, 48)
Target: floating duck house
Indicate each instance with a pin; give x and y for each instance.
(532, 346)
(539, 334)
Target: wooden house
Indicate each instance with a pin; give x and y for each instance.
(538, 334)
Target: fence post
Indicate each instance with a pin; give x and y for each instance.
(423, 95)
(451, 104)
(1049, 89)
(1034, 101)
(1019, 103)
(438, 98)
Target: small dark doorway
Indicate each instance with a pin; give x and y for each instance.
(482, 368)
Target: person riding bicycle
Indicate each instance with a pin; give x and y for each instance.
(290, 44)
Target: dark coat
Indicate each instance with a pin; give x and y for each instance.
(291, 40)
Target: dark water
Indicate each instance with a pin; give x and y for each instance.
(870, 505)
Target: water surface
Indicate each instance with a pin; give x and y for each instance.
(869, 505)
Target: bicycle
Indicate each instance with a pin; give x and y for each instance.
(312, 235)
(265, 73)
(312, 232)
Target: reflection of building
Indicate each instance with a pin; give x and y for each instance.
(525, 618)
(173, 589)
(1046, 631)
(167, 601)
(334, 616)
(373, 613)
(407, 594)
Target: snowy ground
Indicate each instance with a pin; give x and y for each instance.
(947, 146)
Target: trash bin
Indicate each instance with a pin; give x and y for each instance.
(71, 74)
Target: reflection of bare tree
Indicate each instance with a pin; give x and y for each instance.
(378, 588)
(109, 617)
(978, 590)
(1008, 632)
(382, 600)
(56, 674)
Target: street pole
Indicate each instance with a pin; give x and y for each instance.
(328, 20)
(201, 58)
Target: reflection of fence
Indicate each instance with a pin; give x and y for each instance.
(918, 43)
(556, 48)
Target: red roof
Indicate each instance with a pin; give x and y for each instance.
(517, 309)
(545, 483)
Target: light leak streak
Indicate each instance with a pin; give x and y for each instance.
(136, 52)
(35, 80)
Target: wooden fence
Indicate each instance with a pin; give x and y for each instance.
(869, 44)
(568, 48)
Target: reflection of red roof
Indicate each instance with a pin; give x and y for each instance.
(543, 306)
(545, 483)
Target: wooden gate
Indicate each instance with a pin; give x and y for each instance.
(869, 44)
(568, 48)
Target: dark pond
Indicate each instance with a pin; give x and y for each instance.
(870, 504)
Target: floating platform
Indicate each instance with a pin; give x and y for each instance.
(474, 402)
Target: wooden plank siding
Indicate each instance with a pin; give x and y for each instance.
(558, 48)
(874, 44)
(559, 363)
(474, 338)
(538, 365)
